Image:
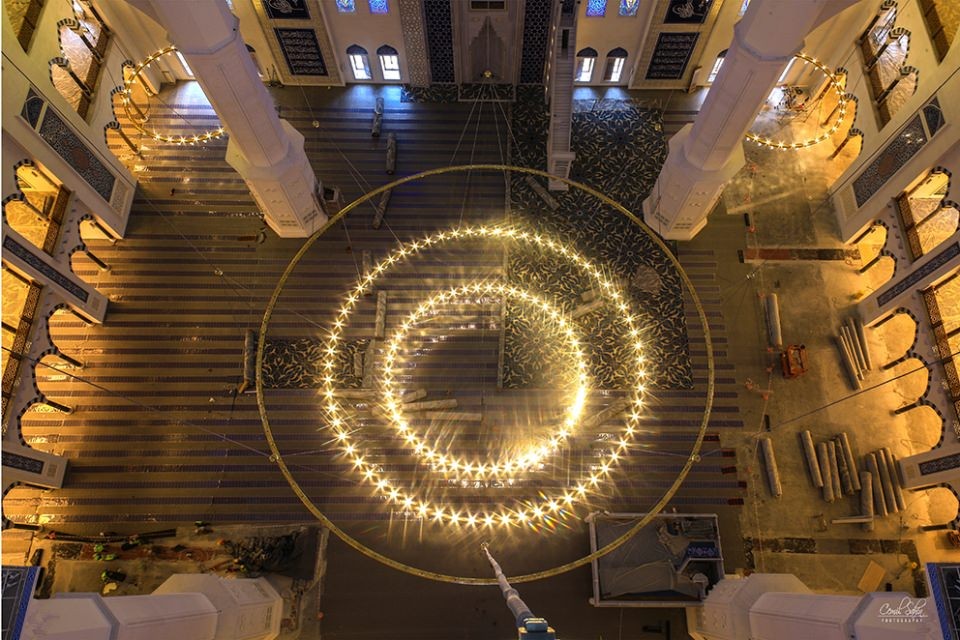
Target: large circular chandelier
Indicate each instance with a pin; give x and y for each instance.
(538, 508)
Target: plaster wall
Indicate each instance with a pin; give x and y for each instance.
(942, 80)
(610, 32)
(23, 69)
(368, 31)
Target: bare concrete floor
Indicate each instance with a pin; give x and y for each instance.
(794, 533)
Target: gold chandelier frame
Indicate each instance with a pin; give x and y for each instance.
(277, 457)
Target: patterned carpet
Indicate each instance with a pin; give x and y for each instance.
(619, 152)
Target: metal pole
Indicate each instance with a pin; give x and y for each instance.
(529, 625)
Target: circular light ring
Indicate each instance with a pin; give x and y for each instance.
(546, 507)
(841, 113)
(211, 134)
(528, 460)
(277, 457)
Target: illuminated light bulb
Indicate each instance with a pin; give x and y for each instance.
(488, 520)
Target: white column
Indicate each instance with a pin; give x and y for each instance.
(183, 616)
(199, 606)
(768, 606)
(704, 156)
(265, 150)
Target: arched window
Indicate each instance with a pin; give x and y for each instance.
(716, 66)
(615, 61)
(586, 58)
(359, 62)
(389, 62)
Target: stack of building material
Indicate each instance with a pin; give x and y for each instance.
(854, 351)
(887, 488)
(831, 465)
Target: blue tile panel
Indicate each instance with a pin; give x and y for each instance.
(439, 23)
(75, 152)
(301, 51)
(18, 587)
(596, 8)
(536, 30)
(346, 6)
(911, 280)
(628, 8)
(32, 107)
(379, 7)
(24, 463)
(897, 153)
(25, 254)
(933, 114)
(940, 464)
(945, 584)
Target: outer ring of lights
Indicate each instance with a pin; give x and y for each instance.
(546, 508)
(211, 134)
(277, 457)
(395, 408)
(809, 142)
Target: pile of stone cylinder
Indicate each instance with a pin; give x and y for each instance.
(833, 469)
(852, 344)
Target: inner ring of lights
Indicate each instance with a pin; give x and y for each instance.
(127, 98)
(836, 85)
(529, 459)
(545, 508)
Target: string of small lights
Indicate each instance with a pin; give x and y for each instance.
(127, 99)
(837, 86)
(476, 293)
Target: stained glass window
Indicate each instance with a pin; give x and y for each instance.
(346, 6)
(596, 8)
(628, 8)
(379, 6)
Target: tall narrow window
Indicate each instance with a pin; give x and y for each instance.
(346, 6)
(716, 66)
(186, 67)
(389, 62)
(615, 61)
(628, 8)
(743, 8)
(596, 8)
(585, 61)
(786, 72)
(379, 7)
(359, 62)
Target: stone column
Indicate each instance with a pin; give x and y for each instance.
(265, 150)
(706, 154)
(767, 605)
